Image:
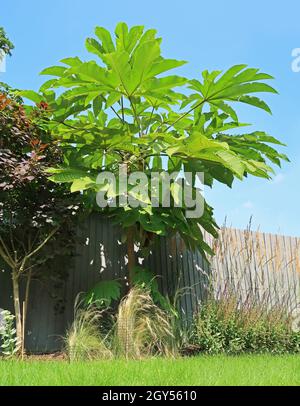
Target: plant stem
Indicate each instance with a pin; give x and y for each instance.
(130, 255)
(17, 307)
(182, 116)
(135, 116)
(122, 105)
(39, 247)
(25, 305)
(148, 126)
(118, 115)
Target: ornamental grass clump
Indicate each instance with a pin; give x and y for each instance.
(142, 329)
(84, 340)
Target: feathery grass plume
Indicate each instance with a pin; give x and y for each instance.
(84, 340)
(142, 329)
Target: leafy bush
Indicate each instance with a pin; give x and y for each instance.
(9, 342)
(228, 326)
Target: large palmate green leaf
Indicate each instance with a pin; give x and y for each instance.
(126, 40)
(234, 85)
(103, 293)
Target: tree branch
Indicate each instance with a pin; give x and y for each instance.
(122, 106)
(135, 116)
(43, 243)
(118, 115)
(5, 257)
(148, 126)
(182, 116)
(5, 250)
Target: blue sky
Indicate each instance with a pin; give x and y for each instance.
(210, 35)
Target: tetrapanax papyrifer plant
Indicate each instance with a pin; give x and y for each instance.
(125, 108)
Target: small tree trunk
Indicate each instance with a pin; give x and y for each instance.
(130, 255)
(25, 307)
(17, 307)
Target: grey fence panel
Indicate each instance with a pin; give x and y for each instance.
(263, 265)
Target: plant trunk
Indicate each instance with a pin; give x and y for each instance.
(17, 307)
(25, 309)
(130, 255)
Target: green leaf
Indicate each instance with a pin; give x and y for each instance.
(105, 38)
(31, 95)
(255, 101)
(94, 47)
(162, 66)
(127, 40)
(199, 142)
(54, 71)
(240, 90)
(82, 184)
(97, 105)
(167, 82)
(227, 77)
(226, 108)
(103, 293)
(91, 97)
(121, 32)
(94, 73)
(71, 61)
(134, 35)
(157, 163)
(65, 175)
(143, 60)
(47, 85)
(234, 85)
(112, 99)
(154, 225)
(232, 162)
(177, 193)
(119, 62)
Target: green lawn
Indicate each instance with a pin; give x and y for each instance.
(204, 370)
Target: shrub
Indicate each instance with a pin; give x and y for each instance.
(9, 342)
(226, 325)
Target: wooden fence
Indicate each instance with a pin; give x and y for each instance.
(249, 264)
(264, 266)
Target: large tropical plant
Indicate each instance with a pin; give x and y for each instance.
(125, 109)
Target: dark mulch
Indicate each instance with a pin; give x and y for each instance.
(56, 356)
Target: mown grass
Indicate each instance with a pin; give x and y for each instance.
(204, 370)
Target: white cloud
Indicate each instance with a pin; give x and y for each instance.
(248, 205)
(278, 179)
